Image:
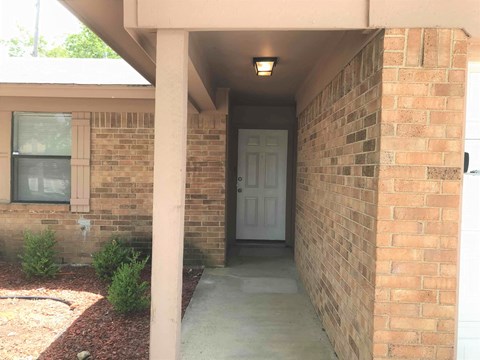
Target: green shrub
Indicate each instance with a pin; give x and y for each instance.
(128, 293)
(38, 254)
(113, 254)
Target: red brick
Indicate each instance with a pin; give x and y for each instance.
(448, 90)
(416, 241)
(388, 308)
(438, 311)
(404, 213)
(447, 117)
(447, 325)
(413, 323)
(440, 255)
(399, 282)
(417, 186)
(424, 131)
(442, 228)
(411, 352)
(445, 353)
(394, 43)
(419, 158)
(437, 339)
(414, 47)
(403, 227)
(451, 201)
(414, 296)
(420, 103)
(396, 337)
(422, 75)
(392, 58)
(415, 268)
(448, 297)
(440, 283)
(405, 89)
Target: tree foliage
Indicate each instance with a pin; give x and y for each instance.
(22, 45)
(84, 44)
(128, 293)
(39, 253)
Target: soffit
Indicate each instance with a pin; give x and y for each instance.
(229, 55)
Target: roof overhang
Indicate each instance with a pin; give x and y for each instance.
(130, 26)
(138, 46)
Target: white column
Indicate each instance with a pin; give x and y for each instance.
(169, 193)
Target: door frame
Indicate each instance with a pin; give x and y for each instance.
(261, 118)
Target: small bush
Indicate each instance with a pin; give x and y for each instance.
(128, 293)
(110, 258)
(38, 254)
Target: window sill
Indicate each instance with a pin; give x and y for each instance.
(35, 207)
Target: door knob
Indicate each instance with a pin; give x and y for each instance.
(239, 190)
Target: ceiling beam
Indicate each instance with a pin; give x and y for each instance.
(462, 14)
(252, 15)
(197, 91)
(308, 14)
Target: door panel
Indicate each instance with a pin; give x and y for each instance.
(261, 184)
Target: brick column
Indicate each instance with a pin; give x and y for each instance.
(420, 172)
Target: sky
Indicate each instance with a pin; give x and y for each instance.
(55, 20)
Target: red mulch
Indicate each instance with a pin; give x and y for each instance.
(36, 328)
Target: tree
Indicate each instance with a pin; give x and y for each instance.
(84, 44)
(23, 44)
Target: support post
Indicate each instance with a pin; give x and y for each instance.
(169, 193)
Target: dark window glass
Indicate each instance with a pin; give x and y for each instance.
(41, 157)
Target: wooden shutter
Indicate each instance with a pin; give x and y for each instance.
(80, 163)
(5, 155)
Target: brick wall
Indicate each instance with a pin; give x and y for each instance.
(120, 196)
(419, 193)
(378, 191)
(205, 192)
(336, 201)
(121, 193)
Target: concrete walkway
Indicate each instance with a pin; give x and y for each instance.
(254, 309)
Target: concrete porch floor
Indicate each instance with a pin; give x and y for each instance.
(256, 308)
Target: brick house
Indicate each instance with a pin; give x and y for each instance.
(365, 128)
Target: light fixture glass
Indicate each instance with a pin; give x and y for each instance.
(264, 65)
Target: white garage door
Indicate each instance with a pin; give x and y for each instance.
(469, 293)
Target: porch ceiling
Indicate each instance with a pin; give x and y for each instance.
(220, 58)
(229, 56)
(224, 57)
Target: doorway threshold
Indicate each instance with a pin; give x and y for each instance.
(265, 243)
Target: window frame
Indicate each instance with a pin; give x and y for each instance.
(14, 155)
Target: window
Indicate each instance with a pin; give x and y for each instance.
(42, 145)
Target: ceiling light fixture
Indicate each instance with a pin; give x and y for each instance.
(264, 65)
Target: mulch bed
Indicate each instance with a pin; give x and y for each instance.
(51, 330)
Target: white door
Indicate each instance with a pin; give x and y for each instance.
(468, 345)
(261, 184)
